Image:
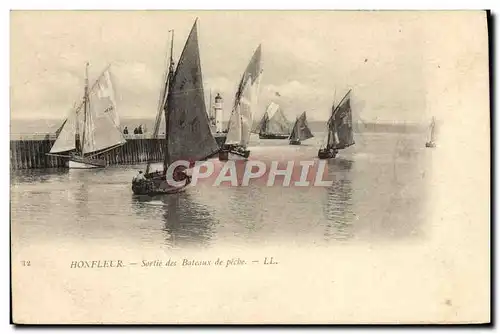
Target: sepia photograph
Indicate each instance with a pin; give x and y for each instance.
(250, 166)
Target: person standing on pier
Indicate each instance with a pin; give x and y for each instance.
(125, 131)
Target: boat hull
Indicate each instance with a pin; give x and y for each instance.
(327, 154)
(233, 154)
(294, 142)
(272, 136)
(85, 163)
(220, 138)
(430, 144)
(156, 184)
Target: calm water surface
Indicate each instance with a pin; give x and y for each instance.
(378, 193)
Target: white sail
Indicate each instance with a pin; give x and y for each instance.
(272, 108)
(247, 109)
(66, 139)
(105, 92)
(101, 131)
(245, 102)
(234, 133)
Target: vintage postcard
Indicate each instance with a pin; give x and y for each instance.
(250, 167)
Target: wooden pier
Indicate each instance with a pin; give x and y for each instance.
(29, 151)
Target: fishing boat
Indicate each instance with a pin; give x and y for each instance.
(187, 129)
(432, 138)
(273, 124)
(245, 103)
(300, 130)
(339, 127)
(91, 128)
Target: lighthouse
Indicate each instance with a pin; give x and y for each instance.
(218, 113)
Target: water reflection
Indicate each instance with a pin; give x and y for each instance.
(186, 222)
(245, 206)
(338, 206)
(37, 175)
(377, 194)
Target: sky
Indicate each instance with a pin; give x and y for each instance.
(391, 61)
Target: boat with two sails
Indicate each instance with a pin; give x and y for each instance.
(245, 103)
(274, 124)
(187, 135)
(340, 130)
(92, 127)
(300, 130)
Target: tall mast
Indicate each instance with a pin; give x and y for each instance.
(166, 161)
(86, 105)
(162, 101)
(330, 120)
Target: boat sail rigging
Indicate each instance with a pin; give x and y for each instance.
(300, 130)
(163, 96)
(340, 129)
(245, 103)
(187, 136)
(92, 128)
(432, 136)
(274, 124)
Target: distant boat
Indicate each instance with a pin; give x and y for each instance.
(273, 124)
(339, 127)
(300, 130)
(92, 128)
(245, 103)
(432, 138)
(187, 129)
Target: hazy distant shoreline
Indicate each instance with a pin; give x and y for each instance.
(37, 126)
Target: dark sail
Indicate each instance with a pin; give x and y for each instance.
(187, 125)
(301, 129)
(261, 126)
(342, 124)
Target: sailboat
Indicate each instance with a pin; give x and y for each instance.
(187, 136)
(339, 127)
(432, 139)
(300, 130)
(92, 128)
(273, 124)
(241, 120)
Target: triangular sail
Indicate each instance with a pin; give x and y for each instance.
(331, 139)
(106, 94)
(246, 106)
(234, 134)
(245, 102)
(277, 123)
(300, 130)
(305, 131)
(188, 130)
(66, 138)
(101, 131)
(433, 130)
(260, 127)
(342, 124)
